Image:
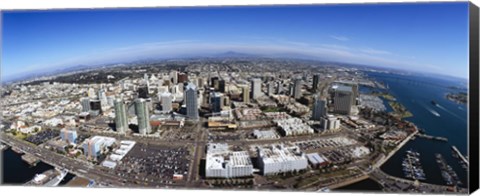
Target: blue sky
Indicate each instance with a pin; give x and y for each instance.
(419, 37)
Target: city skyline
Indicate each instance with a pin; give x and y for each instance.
(384, 35)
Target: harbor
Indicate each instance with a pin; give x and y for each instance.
(448, 174)
(412, 167)
(463, 159)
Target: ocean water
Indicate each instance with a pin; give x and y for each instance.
(448, 119)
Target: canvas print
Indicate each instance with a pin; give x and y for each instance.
(309, 98)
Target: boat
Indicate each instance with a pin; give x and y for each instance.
(51, 177)
(434, 103)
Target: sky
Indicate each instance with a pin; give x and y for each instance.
(424, 37)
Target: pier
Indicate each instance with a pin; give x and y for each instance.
(430, 137)
(3, 147)
(460, 155)
(30, 159)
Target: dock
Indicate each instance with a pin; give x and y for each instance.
(430, 137)
(30, 159)
(17, 150)
(460, 155)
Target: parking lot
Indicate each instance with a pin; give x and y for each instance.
(334, 142)
(42, 136)
(155, 164)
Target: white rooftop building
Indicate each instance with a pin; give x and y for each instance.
(293, 126)
(223, 163)
(279, 159)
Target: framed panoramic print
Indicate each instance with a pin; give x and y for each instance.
(356, 97)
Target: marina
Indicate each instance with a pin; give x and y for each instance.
(412, 168)
(448, 174)
(457, 154)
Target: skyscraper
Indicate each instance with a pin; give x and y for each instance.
(221, 86)
(103, 98)
(297, 88)
(216, 102)
(246, 94)
(85, 101)
(343, 99)
(319, 108)
(143, 116)
(316, 80)
(166, 100)
(270, 88)
(121, 119)
(256, 86)
(174, 77)
(191, 101)
(279, 87)
(68, 135)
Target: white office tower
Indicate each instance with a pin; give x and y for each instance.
(91, 93)
(110, 100)
(143, 116)
(121, 119)
(330, 122)
(85, 101)
(145, 80)
(279, 87)
(343, 100)
(256, 86)
(279, 159)
(223, 163)
(174, 77)
(102, 96)
(270, 88)
(297, 88)
(191, 101)
(319, 108)
(163, 89)
(166, 100)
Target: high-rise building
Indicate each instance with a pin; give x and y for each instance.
(256, 86)
(85, 101)
(95, 107)
(279, 87)
(343, 100)
(221, 86)
(143, 116)
(214, 82)
(121, 119)
(191, 101)
(216, 102)
(297, 88)
(316, 80)
(246, 94)
(270, 88)
(166, 100)
(143, 92)
(182, 77)
(69, 135)
(102, 96)
(91, 93)
(319, 108)
(174, 77)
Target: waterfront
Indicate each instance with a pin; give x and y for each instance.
(15, 171)
(416, 94)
